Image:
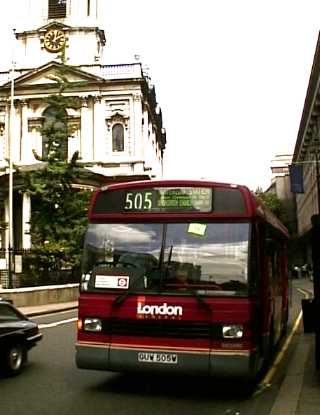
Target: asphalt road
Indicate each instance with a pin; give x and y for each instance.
(52, 384)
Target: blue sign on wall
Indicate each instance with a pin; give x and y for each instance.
(296, 178)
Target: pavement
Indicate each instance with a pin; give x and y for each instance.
(299, 393)
(33, 311)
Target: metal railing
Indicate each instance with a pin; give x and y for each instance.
(33, 268)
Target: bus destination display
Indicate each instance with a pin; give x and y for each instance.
(158, 199)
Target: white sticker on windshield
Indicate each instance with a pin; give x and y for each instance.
(112, 281)
(198, 229)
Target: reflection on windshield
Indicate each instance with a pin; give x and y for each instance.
(212, 257)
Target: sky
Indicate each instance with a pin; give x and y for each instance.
(230, 77)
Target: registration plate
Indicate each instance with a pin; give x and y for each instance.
(165, 358)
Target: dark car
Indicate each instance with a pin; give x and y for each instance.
(18, 335)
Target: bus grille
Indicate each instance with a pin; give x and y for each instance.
(162, 328)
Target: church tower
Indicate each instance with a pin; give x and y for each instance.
(117, 129)
(67, 30)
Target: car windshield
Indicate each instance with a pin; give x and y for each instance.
(211, 258)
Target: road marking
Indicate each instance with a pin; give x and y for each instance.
(266, 382)
(288, 396)
(57, 323)
(269, 376)
(304, 292)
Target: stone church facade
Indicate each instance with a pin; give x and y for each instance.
(118, 130)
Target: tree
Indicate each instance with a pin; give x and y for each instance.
(272, 201)
(58, 215)
(283, 209)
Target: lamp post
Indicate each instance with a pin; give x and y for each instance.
(10, 188)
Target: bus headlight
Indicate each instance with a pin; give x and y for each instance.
(92, 324)
(232, 331)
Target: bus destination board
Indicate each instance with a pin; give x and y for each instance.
(157, 199)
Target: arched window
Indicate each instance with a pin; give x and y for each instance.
(55, 133)
(117, 137)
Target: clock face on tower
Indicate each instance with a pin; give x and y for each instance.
(54, 40)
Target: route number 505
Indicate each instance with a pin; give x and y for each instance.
(138, 201)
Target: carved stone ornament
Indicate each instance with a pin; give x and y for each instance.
(97, 99)
(35, 124)
(73, 125)
(137, 96)
(115, 119)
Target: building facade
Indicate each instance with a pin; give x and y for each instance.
(118, 129)
(281, 187)
(307, 154)
(280, 182)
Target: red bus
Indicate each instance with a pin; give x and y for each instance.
(182, 277)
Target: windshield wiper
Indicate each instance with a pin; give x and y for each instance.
(200, 299)
(188, 289)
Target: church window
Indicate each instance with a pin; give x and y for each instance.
(57, 9)
(55, 133)
(117, 137)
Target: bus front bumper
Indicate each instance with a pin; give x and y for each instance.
(217, 363)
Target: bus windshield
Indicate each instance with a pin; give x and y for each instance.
(211, 258)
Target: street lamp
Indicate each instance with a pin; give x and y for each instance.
(10, 188)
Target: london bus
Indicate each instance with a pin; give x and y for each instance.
(181, 277)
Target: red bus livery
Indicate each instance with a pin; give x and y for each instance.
(183, 277)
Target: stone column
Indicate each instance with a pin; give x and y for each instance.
(99, 130)
(16, 137)
(137, 127)
(86, 131)
(146, 141)
(26, 217)
(6, 219)
(24, 144)
(5, 150)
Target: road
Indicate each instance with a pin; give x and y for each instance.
(51, 384)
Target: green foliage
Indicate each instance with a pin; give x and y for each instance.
(59, 212)
(283, 209)
(272, 201)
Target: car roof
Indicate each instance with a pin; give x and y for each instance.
(6, 301)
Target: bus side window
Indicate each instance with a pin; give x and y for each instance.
(270, 254)
(273, 252)
(254, 271)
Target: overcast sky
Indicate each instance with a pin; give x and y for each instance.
(230, 77)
